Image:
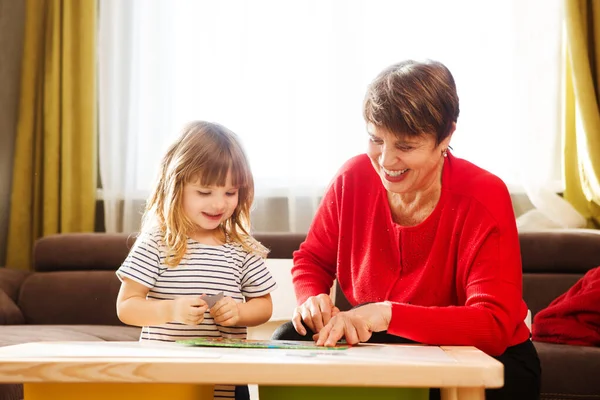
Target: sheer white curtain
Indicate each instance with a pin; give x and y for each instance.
(289, 79)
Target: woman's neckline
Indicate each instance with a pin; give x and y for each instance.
(432, 214)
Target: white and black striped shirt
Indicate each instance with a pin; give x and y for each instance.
(204, 269)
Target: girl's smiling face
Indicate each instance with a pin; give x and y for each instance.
(209, 206)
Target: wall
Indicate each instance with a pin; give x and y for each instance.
(12, 17)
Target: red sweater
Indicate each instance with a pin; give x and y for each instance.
(573, 317)
(454, 279)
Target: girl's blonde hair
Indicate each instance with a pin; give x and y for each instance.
(206, 152)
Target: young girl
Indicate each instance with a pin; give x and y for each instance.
(195, 241)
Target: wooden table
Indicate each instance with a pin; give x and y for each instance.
(132, 370)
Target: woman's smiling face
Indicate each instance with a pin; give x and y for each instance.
(405, 164)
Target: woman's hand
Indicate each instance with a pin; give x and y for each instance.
(188, 310)
(226, 312)
(356, 325)
(316, 312)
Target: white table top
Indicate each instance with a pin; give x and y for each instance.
(363, 365)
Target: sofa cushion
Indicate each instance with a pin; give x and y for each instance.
(569, 371)
(9, 312)
(284, 299)
(11, 280)
(17, 334)
(75, 297)
(541, 289)
(570, 251)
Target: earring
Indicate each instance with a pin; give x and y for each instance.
(445, 152)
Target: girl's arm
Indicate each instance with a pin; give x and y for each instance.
(255, 311)
(133, 308)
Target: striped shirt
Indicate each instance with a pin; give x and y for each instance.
(204, 269)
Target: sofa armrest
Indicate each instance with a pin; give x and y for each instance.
(10, 284)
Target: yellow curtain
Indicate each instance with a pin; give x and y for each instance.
(582, 112)
(54, 175)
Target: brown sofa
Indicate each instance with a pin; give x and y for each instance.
(71, 296)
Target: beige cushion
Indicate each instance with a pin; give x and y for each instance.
(284, 299)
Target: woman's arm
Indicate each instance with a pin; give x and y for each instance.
(492, 308)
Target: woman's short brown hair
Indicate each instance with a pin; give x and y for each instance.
(413, 98)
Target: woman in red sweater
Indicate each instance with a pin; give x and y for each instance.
(424, 245)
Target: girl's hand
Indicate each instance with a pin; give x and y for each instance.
(356, 325)
(226, 312)
(316, 312)
(188, 310)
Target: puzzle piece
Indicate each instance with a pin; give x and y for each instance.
(212, 300)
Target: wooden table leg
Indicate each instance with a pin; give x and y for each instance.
(462, 394)
(116, 391)
(340, 393)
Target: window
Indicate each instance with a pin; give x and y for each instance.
(289, 79)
